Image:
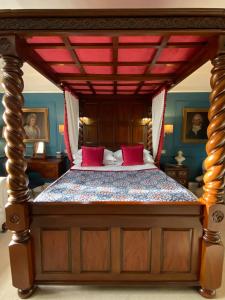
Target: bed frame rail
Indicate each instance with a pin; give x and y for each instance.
(124, 245)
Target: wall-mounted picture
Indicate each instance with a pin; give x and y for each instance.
(195, 123)
(36, 125)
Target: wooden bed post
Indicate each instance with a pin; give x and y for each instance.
(17, 214)
(214, 221)
(149, 131)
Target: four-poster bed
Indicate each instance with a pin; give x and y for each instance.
(137, 53)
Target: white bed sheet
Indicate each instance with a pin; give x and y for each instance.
(115, 168)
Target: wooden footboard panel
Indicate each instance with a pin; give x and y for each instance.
(117, 244)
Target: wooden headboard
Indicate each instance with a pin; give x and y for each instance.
(111, 121)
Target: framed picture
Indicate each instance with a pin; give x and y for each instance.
(36, 125)
(195, 123)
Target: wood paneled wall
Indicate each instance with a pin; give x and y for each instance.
(111, 120)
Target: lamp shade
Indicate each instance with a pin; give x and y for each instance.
(61, 128)
(146, 121)
(168, 128)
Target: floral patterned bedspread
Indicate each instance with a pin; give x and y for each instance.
(91, 186)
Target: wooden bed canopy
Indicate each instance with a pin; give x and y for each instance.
(114, 54)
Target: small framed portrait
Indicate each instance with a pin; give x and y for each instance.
(35, 124)
(195, 123)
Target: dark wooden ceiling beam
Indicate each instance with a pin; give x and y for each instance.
(157, 54)
(111, 77)
(120, 45)
(111, 91)
(76, 60)
(133, 63)
(33, 59)
(153, 60)
(118, 84)
(196, 62)
(73, 55)
(115, 61)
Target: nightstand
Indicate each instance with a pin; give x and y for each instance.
(49, 167)
(179, 173)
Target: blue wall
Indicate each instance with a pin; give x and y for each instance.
(194, 153)
(55, 103)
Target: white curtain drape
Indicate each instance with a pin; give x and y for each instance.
(72, 113)
(158, 111)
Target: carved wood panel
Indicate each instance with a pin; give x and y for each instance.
(55, 244)
(117, 247)
(95, 250)
(111, 123)
(136, 250)
(176, 248)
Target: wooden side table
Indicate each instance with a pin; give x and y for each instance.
(49, 168)
(179, 173)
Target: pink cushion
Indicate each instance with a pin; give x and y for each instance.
(132, 155)
(92, 156)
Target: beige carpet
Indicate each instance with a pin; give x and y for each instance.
(7, 292)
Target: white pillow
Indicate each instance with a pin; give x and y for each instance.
(108, 156)
(146, 156)
(108, 159)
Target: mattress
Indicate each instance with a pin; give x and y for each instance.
(144, 184)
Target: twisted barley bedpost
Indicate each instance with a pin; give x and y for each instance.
(17, 214)
(212, 250)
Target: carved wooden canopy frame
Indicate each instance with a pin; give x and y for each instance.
(14, 24)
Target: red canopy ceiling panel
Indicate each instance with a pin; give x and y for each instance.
(73, 82)
(103, 87)
(44, 40)
(101, 82)
(90, 39)
(60, 55)
(131, 69)
(164, 69)
(66, 69)
(147, 88)
(94, 55)
(74, 57)
(187, 39)
(82, 87)
(154, 81)
(126, 88)
(140, 39)
(128, 82)
(98, 69)
(177, 54)
(135, 55)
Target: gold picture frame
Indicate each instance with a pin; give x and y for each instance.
(194, 127)
(36, 124)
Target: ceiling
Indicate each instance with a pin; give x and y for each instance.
(89, 4)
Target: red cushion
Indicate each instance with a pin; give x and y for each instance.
(132, 155)
(92, 156)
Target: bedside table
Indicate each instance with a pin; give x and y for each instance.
(179, 173)
(49, 168)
